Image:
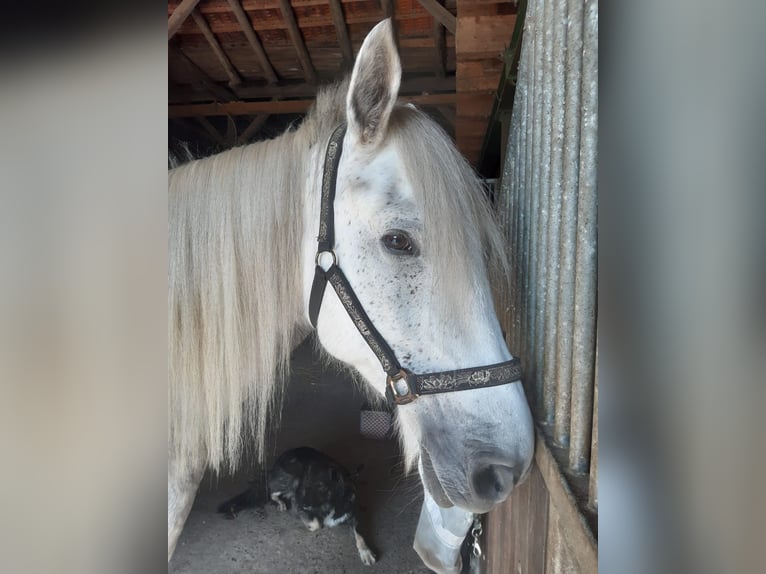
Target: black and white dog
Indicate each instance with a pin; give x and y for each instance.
(316, 487)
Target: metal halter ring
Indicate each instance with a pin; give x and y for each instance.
(400, 388)
(319, 256)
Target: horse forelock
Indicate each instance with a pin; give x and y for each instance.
(460, 231)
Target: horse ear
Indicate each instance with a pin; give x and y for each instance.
(374, 85)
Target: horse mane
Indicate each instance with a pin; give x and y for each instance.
(235, 308)
(235, 289)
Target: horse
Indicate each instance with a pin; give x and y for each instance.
(415, 237)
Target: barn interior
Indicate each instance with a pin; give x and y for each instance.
(241, 71)
(515, 84)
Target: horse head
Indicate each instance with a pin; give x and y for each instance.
(416, 240)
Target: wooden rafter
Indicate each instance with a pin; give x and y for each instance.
(340, 27)
(211, 131)
(283, 107)
(440, 13)
(192, 126)
(255, 43)
(230, 138)
(387, 7)
(415, 85)
(179, 16)
(217, 91)
(300, 46)
(234, 77)
(414, 18)
(449, 114)
(252, 129)
(440, 52)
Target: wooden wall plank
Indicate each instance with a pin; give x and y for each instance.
(517, 530)
(483, 37)
(478, 75)
(483, 32)
(579, 537)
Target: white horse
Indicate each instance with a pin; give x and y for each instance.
(416, 240)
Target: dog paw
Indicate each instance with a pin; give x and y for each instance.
(367, 557)
(314, 525)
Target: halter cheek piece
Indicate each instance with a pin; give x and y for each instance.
(402, 386)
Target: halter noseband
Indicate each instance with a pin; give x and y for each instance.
(402, 386)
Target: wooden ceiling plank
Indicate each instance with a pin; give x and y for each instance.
(340, 27)
(251, 130)
(440, 13)
(285, 106)
(300, 46)
(234, 77)
(255, 43)
(179, 16)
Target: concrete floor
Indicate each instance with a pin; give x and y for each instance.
(321, 410)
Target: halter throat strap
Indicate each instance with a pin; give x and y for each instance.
(402, 386)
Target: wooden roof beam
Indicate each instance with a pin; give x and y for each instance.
(255, 43)
(254, 127)
(440, 54)
(448, 112)
(411, 85)
(234, 77)
(284, 106)
(213, 133)
(387, 7)
(340, 27)
(179, 16)
(217, 91)
(300, 46)
(441, 14)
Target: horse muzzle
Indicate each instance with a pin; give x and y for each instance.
(487, 479)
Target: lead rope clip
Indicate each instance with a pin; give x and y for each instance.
(476, 533)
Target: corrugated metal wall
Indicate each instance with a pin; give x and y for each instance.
(547, 200)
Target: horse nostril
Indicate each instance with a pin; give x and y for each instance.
(494, 482)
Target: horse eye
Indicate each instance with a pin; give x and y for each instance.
(398, 241)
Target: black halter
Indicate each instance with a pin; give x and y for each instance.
(402, 386)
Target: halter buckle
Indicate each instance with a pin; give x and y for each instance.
(399, 389)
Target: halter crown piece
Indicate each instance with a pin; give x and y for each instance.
(402, 386)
